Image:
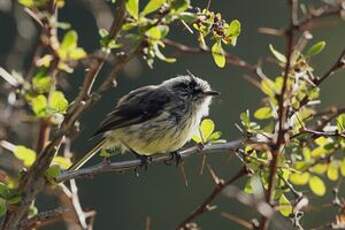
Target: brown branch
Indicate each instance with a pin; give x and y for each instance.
(204, 206)
(33, 182)
(132, 164)
(282, 111)
(44, 218)
(230, 58)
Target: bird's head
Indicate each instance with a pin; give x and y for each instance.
(190, 88)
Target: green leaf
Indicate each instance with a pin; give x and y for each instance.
(77, 53)
(285, 207)
(132, 7)
(58, 102)
(263, 113)
(341, 123)
(152, 6)
(63, 162)
(53, 171)
(3, 207)
(41, 82)
(178, 6)
(317, 186)
(215, 136)
(218, 54)
(28, 156)
(157, 32)
(39, 105)
(316, 49)
(69, 40)
(333, 171)
(206, 128)
(161, 56)
(267, 87)
(233, 31)
(320, 168)
(279, 56)
(299, 178)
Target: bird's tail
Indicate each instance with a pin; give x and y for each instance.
(87, 156)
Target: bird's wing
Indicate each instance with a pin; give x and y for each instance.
(136, 107)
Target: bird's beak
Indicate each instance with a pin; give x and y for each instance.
(211, 93)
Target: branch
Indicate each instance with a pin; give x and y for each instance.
(132, 164)
(204, 206)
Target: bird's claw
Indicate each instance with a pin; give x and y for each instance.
(174, 156)
(144, 163)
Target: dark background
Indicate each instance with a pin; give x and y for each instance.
(123, 201)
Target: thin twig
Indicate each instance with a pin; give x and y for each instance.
(204, 206)
(132, 164)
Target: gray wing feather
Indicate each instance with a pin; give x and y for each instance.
(136, 107)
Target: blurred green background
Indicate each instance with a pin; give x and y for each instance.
(124, 201)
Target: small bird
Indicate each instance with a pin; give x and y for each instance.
(155, 119)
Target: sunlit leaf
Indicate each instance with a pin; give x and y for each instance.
(62, 162)
(320, 168)
(341, 123)
(41, 82)
(69, 40)
(279, 56)
(233, 31)
(333, 171)
(299, 178)
(28, 156)
(132, 7)
(317, 186)
(152, 6)
(157, 32)
(161, 56)
(39, 105)
(316, 49)
(263, 113)
(218, 54)
(206, 128)
(285, 207)
(58, 102)
(77, 53)
(267, 87)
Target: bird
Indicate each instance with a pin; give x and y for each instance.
(154, 119)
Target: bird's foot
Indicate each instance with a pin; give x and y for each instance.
(174, 156)
(144, 163)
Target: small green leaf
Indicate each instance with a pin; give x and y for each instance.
(341, 123)
(320, 168)
(218, 54)
(157, 32)
(152, 6)
(69, 40)
(53, 172)
(233, 31)
(39, 105)
(333, 171)
(132, 7)
(3, 207)
(215, 136)
(267, 87)
(63, 162)
(28, 156)
(285, 207)
(279, 56)
(77, 53)
(161, 56)
(263, 113)
(316, 49)
(41, 82)
(299, 178)
(58, 102)
(317, 186)
(206, 128)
